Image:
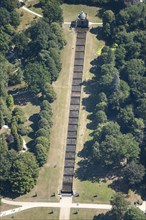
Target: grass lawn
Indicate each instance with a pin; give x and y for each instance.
(85, 214)
(26, 19)
(70, 12)
(5, 207)
(35, 214)
(93, 192)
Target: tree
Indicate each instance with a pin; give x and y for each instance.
(101, 117)
(109, 79)
(120, 54)
(10, 102)
(115, 149)
(2, 122)
(19, 115)
(133, 68)
(41, 154)
(141, 109)
(46, 114)
(36, 75)
(43, 123)
(4, 42)
(52, 11)
(45, 105)
(48, 92)
(58, 35)
(120, 95)
(50, 64)
(120, 206)
(43, 141)
(107, 56)
(43, 132)
(24, 173)
(134, 214)
(4, 17)
(21, 41)
(15, 18)
(8, 4)
(126, 116)
(134, 173)
(108, 20)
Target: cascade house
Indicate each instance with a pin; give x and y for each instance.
(82, 20)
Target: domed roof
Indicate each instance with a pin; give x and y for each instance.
(82, 15)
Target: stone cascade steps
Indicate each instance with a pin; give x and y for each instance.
(67, 185)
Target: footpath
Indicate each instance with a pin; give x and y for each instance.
(65, 205)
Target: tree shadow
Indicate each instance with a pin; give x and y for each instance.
(120, 185)
(23, 96)
(98, 31)
(37, 5)
(107, 216)
(91, 169)
(34, 119)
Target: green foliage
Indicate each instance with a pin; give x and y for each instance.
(2, 122)
(101, 117)
(134, 214)
(4, 42)
(10, 102)
(45, 105)
(120, 206)
(134, 173)
(21, 41)
(24, 173)
(52, 11)
(41, 154)
(8, 4)
(42, 132)
(43, 123)
(4, 17)
(19, 115)
(15, 18)
(43, 141)
(48, 93)
(36, 75)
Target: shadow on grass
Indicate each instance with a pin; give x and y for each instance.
(23, 96)
(107, 216)
(91, 169)
(37, 5)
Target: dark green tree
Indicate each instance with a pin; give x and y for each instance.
(52, 11)
(24, 173)
(8, 4)
(49, 93)
(134, 214)
(41, 154)
(134, 173)
(120, 206)
(36, 75)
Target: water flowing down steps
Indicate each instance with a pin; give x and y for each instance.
(67, 186)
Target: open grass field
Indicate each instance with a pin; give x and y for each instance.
(85, 214)
(70, 12)
(5, 207)
(35, 214)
